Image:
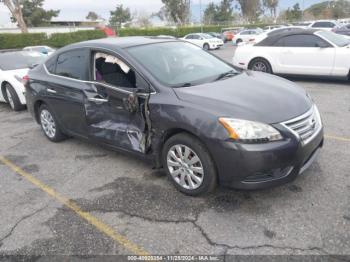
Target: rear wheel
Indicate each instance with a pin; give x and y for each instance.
(189, 165)
(49, 125)
(261, 65)
(206, 47)
(12, 98)
(239, 41)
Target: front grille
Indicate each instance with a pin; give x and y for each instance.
(305, 126)
(269, 175)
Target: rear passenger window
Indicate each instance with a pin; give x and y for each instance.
(51, 64)
(73, 64)
(301, 41)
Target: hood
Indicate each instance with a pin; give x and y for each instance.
(251, 95)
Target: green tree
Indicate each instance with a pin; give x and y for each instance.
(293, 14)
(271, 5)
(222, 12)
(92, 16)
(34, 14)
(340, 9)
(209, 14)
(16, 11)
(178, 11)
(251, 9)
(120, 15)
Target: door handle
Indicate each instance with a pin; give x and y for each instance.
(49, 90)
(98, 100)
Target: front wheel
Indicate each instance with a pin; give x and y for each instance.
(206, 47)
(49, 125)
(261, 65)
(189, 165)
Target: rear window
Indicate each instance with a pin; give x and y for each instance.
(301, 41)
(20, 60)
(73, 64)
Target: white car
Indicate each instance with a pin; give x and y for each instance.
(14, 67)
(324, 24)
(205, 41)
(46, 50)
(247, 36)
(297, 52)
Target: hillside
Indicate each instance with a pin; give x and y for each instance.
(329, 10)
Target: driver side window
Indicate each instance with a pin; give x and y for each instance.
(113, 71)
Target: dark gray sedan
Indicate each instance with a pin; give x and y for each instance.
(181, 107)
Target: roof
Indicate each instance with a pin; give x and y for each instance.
(121, 42)
(273, 37)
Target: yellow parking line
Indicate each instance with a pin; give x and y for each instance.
(102, 227)
(338, 138)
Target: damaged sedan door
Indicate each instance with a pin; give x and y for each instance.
(116, 105)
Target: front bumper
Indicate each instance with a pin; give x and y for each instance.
(258, 166)
(215, 45)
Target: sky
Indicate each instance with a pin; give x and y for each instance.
(78, 9)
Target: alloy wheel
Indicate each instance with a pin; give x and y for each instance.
(260, 66)
(9, 98)
(48, 123)
(185, 167)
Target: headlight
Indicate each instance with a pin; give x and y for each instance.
(249, 131)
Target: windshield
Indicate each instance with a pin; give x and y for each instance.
(336, 39)
(20, 60)
(179, 64)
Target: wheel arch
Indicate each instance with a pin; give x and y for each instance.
(3, 91)
(37, 106)
(261, 57)
(170, 133)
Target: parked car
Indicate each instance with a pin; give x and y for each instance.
(216, 35)
(324, 24)
(229, 33)
(298, 52)
(247, 36)
(13, 67)
(269, 28)
(166, 36)
(46, 50)
(342, 30)
(187, 110)
(205, 41)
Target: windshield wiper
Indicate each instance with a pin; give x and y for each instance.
(183, 85)
(226, 74)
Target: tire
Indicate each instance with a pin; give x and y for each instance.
(206, 47)
(180, 170)
(239, 41)
(12, 98)
(49, 125)
(260, 65)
